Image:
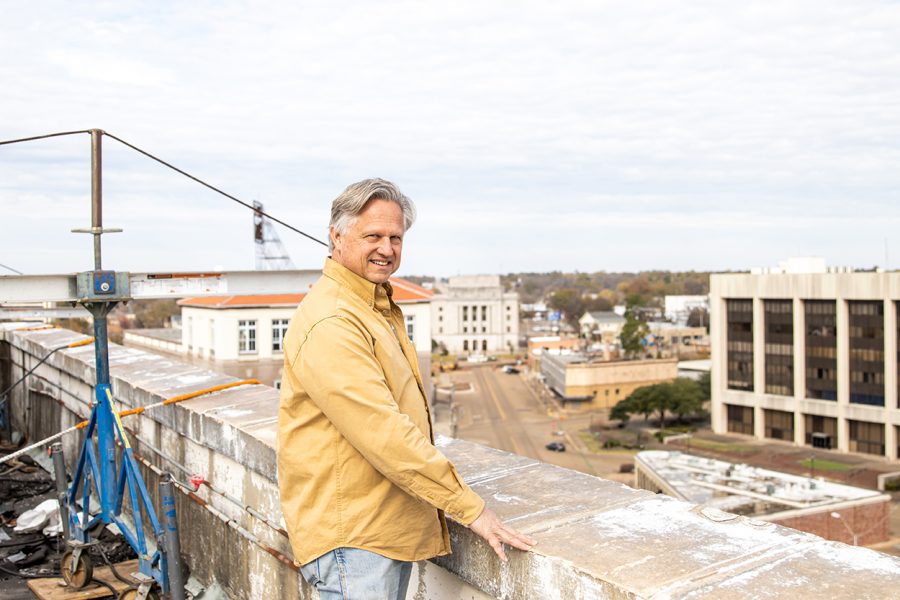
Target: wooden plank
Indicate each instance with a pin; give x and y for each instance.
(53, 588)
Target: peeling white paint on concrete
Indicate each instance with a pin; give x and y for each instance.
(257, 581)
(543, 574)
(191, 379)
(634, 564)
(854, 558)
(507, 498)
(231, 413)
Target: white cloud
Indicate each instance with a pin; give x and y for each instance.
(535, 122)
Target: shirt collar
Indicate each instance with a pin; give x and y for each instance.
(378, 295)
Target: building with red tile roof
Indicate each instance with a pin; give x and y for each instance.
(251, 327)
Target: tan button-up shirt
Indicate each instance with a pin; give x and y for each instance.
(357, 466)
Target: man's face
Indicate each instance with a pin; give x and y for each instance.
(372, 245)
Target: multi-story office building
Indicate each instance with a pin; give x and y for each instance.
(474, 314)
(809, 358)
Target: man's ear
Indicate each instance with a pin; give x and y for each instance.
(335, 239)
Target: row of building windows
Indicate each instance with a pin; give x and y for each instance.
(866, 348)
(484, 313)
(780, 349)
(864, 436)
(474, 347)
(247, 335)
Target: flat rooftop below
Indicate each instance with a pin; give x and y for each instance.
(743, 489)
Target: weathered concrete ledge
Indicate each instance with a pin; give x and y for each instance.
(597, 538)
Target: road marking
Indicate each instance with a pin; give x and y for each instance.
(493, 396)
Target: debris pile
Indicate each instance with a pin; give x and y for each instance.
(31, 544)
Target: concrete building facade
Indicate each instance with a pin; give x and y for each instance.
(604, 382)
(473, 314)
(808, 358)
(252, 327)
(553, 344)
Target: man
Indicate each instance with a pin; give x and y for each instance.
(363, 489)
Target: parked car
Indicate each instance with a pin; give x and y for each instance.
(510, 369)
(556, 447)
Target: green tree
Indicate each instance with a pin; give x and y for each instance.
(622, 411)
(705, 386)
(640, 401)
(568, 301)
(633, 333)
(686, 397)
(681, 397)
(154, 313)
(661, 398)
(596, 304)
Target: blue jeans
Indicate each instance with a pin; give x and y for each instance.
(354, 574)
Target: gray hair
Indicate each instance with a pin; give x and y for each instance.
(346, 207)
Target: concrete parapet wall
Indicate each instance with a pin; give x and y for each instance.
(596, 538)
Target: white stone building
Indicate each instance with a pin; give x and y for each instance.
(252, 327)
(603, 324)
(679, 308)
(808, 358)
(472, 314)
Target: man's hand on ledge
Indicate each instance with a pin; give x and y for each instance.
(489, 526)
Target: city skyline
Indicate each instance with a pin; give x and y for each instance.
(580, 136)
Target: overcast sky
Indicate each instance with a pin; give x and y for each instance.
(533, 136)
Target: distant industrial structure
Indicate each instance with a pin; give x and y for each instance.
(271, 255)
(807, 357)
(836, 512)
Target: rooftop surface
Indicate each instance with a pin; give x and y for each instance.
(744, 489)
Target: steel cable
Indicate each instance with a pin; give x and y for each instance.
(174, 168)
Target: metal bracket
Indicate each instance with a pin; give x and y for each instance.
(102, 286)
(79, 548)
(145, 584)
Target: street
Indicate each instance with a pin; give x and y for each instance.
(503, 411)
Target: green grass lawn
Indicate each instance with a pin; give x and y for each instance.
(596, 446)
(825, 465)
(718, 446)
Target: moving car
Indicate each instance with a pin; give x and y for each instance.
(556, 447)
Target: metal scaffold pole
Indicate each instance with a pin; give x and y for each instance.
(113, 477)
